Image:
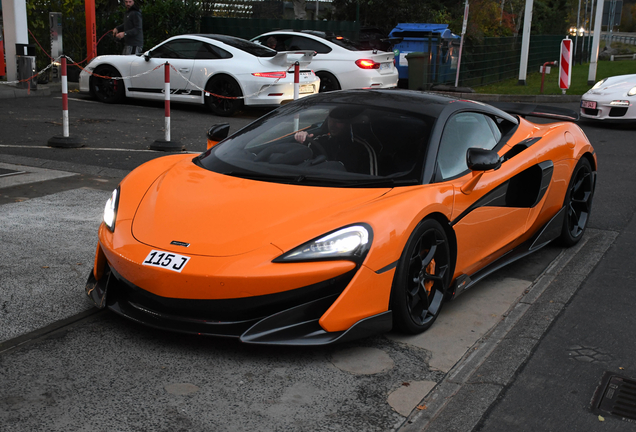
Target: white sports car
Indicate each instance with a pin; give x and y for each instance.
(339, 63)
(224, 72)
(611, 99)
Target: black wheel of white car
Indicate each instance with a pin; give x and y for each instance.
(105, 86)
(225, 96)
(328, 82)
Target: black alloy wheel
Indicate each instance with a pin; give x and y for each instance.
(328, 82)
(106, 89)
(229, 103)
(578, 203)
(422, 278)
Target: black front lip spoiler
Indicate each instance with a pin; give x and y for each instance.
(296, 326)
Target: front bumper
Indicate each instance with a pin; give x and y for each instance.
(607, 112)
(289, 318)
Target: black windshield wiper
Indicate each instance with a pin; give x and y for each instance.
(380, 182)
(260, 176)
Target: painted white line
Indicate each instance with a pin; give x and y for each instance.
(31, 175)
(89, 148)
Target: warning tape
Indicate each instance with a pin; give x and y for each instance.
(206, 93)
(56, 61)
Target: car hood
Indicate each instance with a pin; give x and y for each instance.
(618, 85)
(219, 215)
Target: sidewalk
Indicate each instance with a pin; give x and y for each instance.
(10, 91)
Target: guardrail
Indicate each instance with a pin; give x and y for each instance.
(623, 56)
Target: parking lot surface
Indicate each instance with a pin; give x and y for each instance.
(65, 366)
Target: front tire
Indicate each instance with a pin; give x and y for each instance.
(223, 98)
(578, 203)
(421, 279)
(106, 89)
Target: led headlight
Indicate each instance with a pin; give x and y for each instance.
(110, 210)
(632, 92)
(350, 242)
(598, 84)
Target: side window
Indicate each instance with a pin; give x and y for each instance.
(304, 43)
(462, 131)
(211, 52)
(178, 49)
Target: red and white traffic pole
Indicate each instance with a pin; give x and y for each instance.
(166, 144)
(64, 141)
(64, 99)
(565, 65)
(167, 99)
(296, 80)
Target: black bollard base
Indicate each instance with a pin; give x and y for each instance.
(169, 146)
(65, 142)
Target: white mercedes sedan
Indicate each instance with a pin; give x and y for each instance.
(223, 72)
(611, 99)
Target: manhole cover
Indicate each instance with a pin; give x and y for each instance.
(616, 396)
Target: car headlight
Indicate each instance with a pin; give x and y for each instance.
(598, 84)
(632, 92)
(351, 242)
(110, 210)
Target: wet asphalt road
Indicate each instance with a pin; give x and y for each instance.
(65, 367)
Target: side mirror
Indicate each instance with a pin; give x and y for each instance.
(482, 160)
(217, 133)
(147, 56)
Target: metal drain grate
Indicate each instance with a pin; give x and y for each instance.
(616, 396)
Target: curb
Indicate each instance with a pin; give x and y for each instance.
(11, 92)
(8, 91)
(459, 401)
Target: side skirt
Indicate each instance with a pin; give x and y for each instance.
(549, 232)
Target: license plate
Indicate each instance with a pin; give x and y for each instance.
(385, 66)
(306, 88)
(588, 104)
(166, 260)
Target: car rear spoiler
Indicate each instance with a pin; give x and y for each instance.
(288, 58)
(543, 111)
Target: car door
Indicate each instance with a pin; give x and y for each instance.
(148, 73)
(491, 208)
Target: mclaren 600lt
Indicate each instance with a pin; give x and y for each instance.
(340, 215)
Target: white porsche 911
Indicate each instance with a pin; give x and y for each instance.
(224, 72)
(611, 99)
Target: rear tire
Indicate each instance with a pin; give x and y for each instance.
(228, 88)
(328, 82)
(107, 90)
(578, 203)
(421, 279)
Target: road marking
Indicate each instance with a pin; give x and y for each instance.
(92, 148)
(29, 175)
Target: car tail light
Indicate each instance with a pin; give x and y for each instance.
(281, 74)
(367, 64)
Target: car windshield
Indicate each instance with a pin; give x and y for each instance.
(338, 145)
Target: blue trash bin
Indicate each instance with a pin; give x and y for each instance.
(436, 39)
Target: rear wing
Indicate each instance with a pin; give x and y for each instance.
(289, 58)
(543, 111)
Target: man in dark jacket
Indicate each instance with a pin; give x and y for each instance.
(131, 30)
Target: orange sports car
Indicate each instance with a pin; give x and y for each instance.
(340, 215)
